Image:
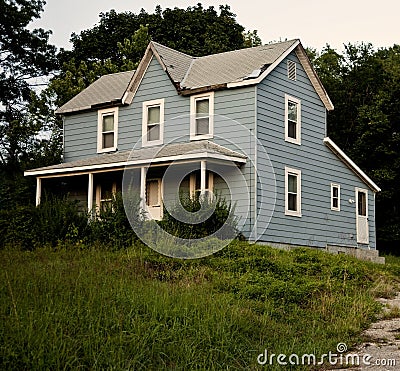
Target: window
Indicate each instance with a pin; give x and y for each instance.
(291, 70)
(335, 197)
(195, 180)
(292, 192)
(292, 119)
(107, 130)
(104, 195)
(362, 203)
(201, 116)
(153, 122)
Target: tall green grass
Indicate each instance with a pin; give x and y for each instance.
(134, 309)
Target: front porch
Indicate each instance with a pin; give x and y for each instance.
(157, 175)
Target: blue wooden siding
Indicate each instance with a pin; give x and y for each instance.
(234, 124)
(319, 167)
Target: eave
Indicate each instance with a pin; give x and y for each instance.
(351, 164)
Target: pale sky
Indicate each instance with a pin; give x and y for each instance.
(314, 22)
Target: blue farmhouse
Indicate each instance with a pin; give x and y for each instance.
(249, 124)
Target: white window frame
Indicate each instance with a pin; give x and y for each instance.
(296, 140)
(335, 185)
(100, 114)
(291, 65)
(297, 173)
(145, 106)
(193, 99)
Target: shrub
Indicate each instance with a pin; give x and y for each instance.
(111, 225)
(198, 217)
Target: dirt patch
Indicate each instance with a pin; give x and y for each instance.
(382, 350)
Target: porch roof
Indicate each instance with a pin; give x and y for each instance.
(145, 156)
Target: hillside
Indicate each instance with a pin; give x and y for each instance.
(134, 309)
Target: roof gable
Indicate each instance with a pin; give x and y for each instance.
(107, 89)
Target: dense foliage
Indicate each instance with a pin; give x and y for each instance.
(26, 59)
(205, 216)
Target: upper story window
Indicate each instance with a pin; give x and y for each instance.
(153, 122)
(292, 192)
(291, 70)
(292, 119)
(107, 129)
(335, 197)
(202, 116)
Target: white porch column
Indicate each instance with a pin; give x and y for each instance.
(203, 168)
(143, 188)
(90, 193)
(38, 190)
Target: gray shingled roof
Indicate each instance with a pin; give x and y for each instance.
(145, 155)
(190, 72)
(219, 68)
(107, 89)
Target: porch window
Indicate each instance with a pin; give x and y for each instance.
(107, 130)
(104, 195)
(201, 114)
(335, 197)
(292, 192)
(153, 122)
(195, 180)
(292, 120)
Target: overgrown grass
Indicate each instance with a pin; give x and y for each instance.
(70, 308)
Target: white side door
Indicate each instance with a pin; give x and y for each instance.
(362, 216)
(153, 198)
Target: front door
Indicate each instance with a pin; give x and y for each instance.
(153, 198)
(362, 216)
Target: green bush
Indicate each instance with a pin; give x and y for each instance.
(200, 217)
(111, 226)
(57, 221)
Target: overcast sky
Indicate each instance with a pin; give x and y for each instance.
(315, 22)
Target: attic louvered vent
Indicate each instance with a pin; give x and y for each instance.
(291, 70)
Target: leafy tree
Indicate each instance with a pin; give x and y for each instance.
(25, 59)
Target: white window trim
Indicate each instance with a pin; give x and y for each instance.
(298, 126)
(155, 102)
(193, 98)
(333, 185)
(296, 172)
(100, 114)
